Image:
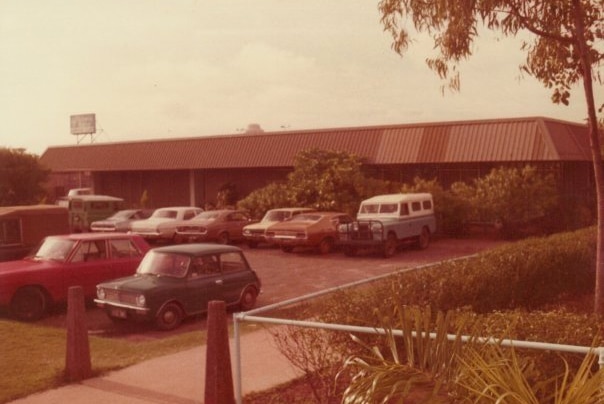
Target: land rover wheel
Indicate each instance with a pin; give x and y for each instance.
(390, 246)
(169, 317)
(423, 240)
(29, 303)
(325, 246)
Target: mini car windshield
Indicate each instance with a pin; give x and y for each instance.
(56, 249)
(164, 264)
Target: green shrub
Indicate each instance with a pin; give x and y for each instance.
(525, 274)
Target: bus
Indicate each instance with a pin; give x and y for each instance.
(85, 209)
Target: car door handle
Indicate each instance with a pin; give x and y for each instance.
(219, 282)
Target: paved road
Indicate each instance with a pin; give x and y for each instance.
(288, 275)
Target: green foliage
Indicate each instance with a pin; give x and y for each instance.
(496, 374)
(326, 180)
(451, 210)
(21, 178)
(512, 195)
(422, 356)
(274, 195)
(527, 274)
(226, 196)
(564, 34)
(323, 180)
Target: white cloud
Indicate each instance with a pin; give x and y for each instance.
(189, 68)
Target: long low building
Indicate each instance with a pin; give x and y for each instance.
(191, 171)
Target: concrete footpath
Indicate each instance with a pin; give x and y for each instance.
(176, 378)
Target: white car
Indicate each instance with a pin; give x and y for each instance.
(161, 225)
(254, 234)
(120, 221)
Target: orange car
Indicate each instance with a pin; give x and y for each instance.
(313, 229)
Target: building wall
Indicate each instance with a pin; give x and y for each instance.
(200, 187)
(182, 187)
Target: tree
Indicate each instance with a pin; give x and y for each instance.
(511, 196)
(21, 178)
(326, 180)
(565, 48)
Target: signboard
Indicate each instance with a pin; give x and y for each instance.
(83, 124)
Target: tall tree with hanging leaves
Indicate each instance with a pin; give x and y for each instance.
(566, 47)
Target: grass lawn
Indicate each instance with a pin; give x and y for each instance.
(33, 357)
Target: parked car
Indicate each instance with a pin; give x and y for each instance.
(221, 226)
(255, 233)
(385, 222)
(161, 225)
(23, 227)
(313, 229)
(173, 282)
(29, 287)
(120, 221)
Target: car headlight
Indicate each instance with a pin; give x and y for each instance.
(100, 293)
(376, 227)
(141, 301)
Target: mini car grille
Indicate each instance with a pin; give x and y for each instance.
(256, 232)
(112, 295)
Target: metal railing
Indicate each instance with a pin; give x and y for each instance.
(252, 316)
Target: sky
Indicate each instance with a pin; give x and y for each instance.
(156, 69)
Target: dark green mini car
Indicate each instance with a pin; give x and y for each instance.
(177, 281)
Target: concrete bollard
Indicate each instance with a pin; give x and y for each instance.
(77, 359)
(219, 377)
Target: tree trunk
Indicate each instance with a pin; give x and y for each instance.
(595, 151)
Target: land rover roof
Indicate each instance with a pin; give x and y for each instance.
(396, 198)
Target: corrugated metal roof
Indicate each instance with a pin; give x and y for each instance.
(501, 140)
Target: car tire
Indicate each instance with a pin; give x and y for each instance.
(350, 251)
(325, 246)
(29, 303)
(169, 317)
(223, 238)
(287, 248)
(423, 240)
(252, 244)
(248, 298)
(390, 246)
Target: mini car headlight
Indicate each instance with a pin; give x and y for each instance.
(140, 300)
(100, 293)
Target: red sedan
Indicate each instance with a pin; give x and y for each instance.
(29, 287)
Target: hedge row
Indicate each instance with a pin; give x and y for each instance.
(525, 274)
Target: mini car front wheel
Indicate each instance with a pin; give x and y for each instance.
(29, 304)
(169, 317)
(248, 298)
